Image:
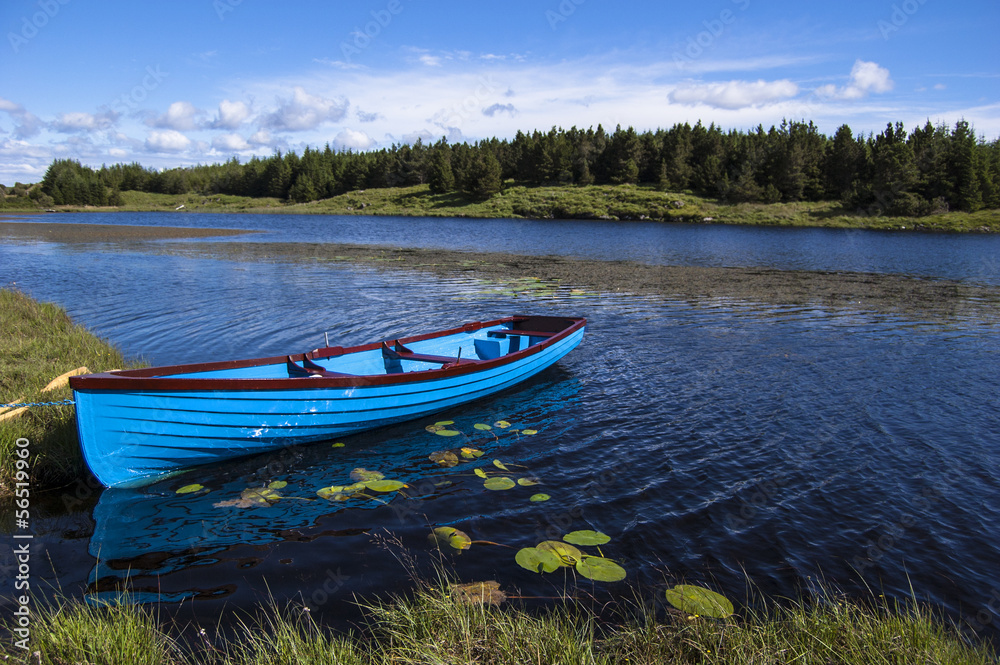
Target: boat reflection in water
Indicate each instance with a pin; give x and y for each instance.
(169, 541)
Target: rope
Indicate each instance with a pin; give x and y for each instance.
(18, 406)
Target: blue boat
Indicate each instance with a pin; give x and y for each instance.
(136, 426)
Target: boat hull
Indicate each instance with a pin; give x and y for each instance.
(135, 434)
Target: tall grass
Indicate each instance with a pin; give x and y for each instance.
(435, 626)
(39, 342)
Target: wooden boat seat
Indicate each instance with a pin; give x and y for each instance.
(399, 352)
(523, 333)
(309, 368)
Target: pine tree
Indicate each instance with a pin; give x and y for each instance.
(440, 177)
(483, 180)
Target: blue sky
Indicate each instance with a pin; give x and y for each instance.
(189, 81)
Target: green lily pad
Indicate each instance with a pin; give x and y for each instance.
(536, 498)
(502, 424)
(527, 482)
(482, 427)
(338, 445)
(568, 555)
(699, 601)
(384, 485)
(471, 453)
(278, 484)
(537, 560)
(600, 569)
(339, 492)
(498, 464)
(587, 538)
(188, 489)
(261, 496)
(449, 535)
(499, 483)
(479, 472)
(529, 432)
(441, 427)
(444, 458)
(364, 475)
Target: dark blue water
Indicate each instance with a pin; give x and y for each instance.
(713, 441)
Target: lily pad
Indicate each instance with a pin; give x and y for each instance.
(498, 464)
(537, 560)
(363, 475)
(477, 593)
(338, 445)
(384, 485)
(441, 426)
(499, 483)
(568, 555)
(482, 427)
(502, 424)
(188, 489)
(339, 492)
(447, 432)
(449, 535)
(529, 432)
(537, 498)
(278, 484)
(471, 453)
(444, 458)
(260, 495)
(699, 601)
(587, 538)
(600, 569)
(479, 472)
(252, 497)
(527, 482)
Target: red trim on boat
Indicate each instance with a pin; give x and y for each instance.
(160, 379)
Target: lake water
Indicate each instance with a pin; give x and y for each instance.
(712, 440)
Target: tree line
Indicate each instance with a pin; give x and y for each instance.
(929, 169)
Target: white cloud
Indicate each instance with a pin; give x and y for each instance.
(180, 116)
(230, 143)
(169, 140)
(349, 139)
(304, 111)
(84, 122)
(431, 60)
(734, 94)
(26, 124)
(866, 77)
(231, 115)
(261, 137)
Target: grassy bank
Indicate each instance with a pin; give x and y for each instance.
(39, 342)
(434, 627)
(622, 202)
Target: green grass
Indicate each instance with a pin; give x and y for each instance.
(613, 202)
(39, 342)
(432, 627)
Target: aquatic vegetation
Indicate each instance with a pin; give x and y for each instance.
(699, 601)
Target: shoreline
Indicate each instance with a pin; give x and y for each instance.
(581, 203)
